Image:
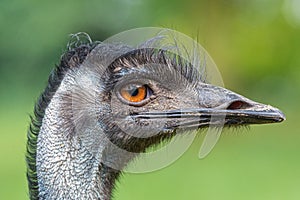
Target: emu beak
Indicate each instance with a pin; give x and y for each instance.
(218, 106)
(236, 109)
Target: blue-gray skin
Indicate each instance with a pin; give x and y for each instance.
(81, 114)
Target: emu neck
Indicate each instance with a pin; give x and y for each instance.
(66, 169)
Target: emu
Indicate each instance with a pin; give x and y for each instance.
(105, 97)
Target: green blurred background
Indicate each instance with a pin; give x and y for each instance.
(255, 44)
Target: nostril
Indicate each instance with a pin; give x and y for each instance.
(237, 105)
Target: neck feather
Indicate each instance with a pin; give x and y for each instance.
(66, 168)
(58, 166)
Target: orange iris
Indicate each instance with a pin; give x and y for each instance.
(134, 93)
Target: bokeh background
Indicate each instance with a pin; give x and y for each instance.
(256, 45)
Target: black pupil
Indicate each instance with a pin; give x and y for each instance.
(134, 92)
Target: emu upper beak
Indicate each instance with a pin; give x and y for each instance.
(218, 106)
(235, 108)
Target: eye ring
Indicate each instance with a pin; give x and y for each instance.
(135, 94)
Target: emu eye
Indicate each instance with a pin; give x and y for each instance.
(135, 93)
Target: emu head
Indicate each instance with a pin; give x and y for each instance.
(106, 102)
(145, 95)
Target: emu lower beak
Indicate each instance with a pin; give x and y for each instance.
(251, 114)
